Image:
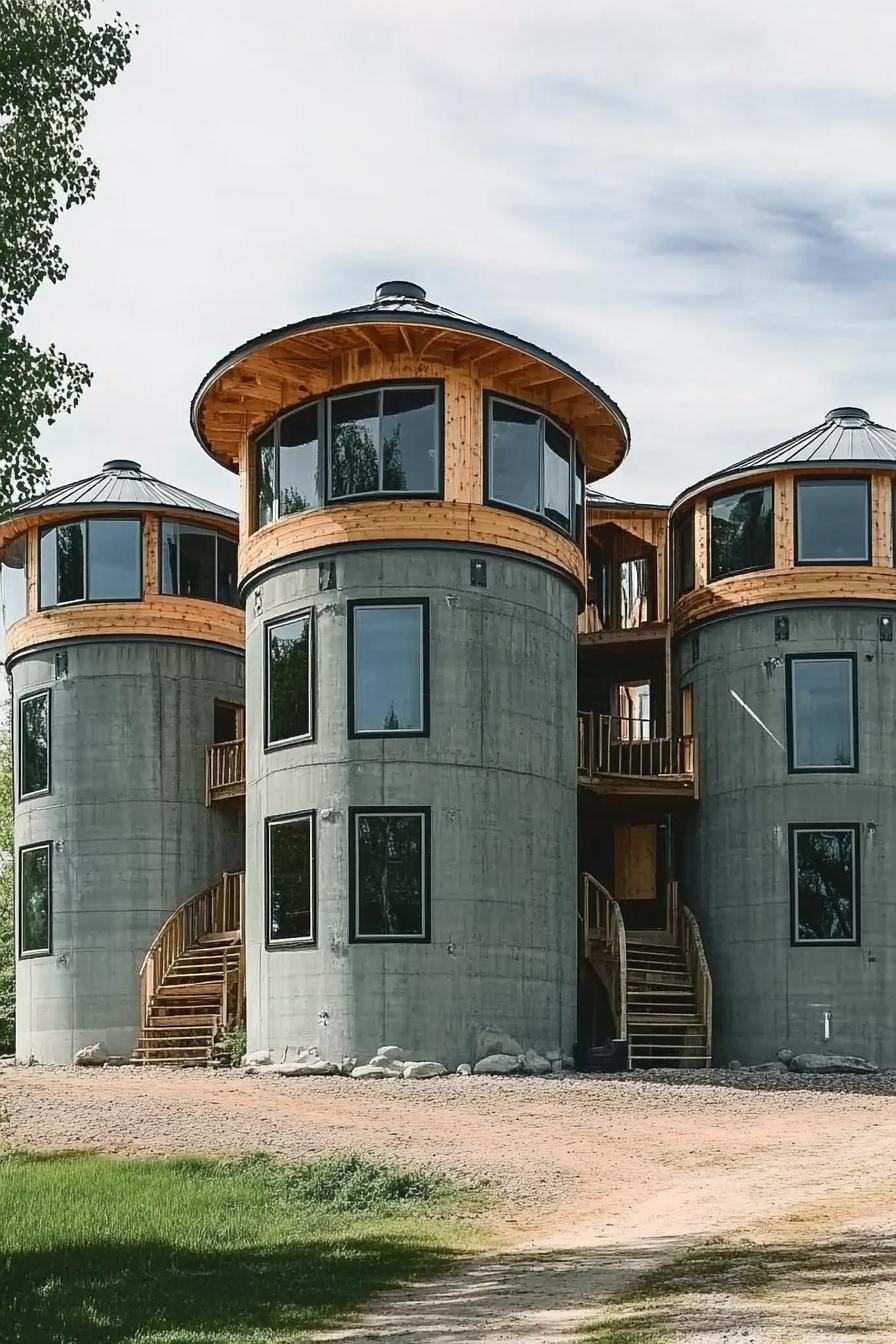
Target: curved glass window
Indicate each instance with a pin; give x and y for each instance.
(14, 579)
(740, 531)
(833, 521)
(92, 560)
(199, 562)
(531, 463)
(379, 441)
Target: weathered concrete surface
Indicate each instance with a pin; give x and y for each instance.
(498, 771)
(734, 848)
(131, 834)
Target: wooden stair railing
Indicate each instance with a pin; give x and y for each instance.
(217, 910)
(605, 926)
(691, 944)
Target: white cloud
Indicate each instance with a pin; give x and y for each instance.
(691, 202)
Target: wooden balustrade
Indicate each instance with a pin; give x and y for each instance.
(630, 747)
(691, 944)
(225, 771)
(219, 910)
(605, 928)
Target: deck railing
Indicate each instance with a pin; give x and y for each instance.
(691, 944)
(225, 770)
(217, 910)
(630, 747)
(604, 926)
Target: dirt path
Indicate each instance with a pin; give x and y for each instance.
(597, 1177)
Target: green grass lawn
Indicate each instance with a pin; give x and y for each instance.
(103, 1250)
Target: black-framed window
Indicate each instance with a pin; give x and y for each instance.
(833, 521)
(389, 862)
(822, 712)
(740, 531)
(34, 744)
(684, 574)
(35, 901)
(198, 562)
(289, 680)
(14, 580)
(388, 659)
(824, 883)
(381, 440)
(531, 462)
(290, 879)
(91, 560)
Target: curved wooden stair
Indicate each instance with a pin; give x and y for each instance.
(192, 983)
(658, 982)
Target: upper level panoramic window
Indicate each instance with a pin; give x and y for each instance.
(34, 744)
(530, 462)
(833, 521)
(13, 576)
(198, 562)
(683, 555)
(821, 704)
(740, 531)
(93, 560)
(289, 464)
(824, 878)
(384, 442)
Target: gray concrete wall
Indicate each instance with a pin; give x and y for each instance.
(498, 771)
(131, 835)
(734, 845)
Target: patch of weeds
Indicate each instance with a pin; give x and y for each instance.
(715, 1266)
(621, 1334)
(233, 1044)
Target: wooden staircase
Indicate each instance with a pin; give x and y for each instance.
(658, 982)
(192, 983)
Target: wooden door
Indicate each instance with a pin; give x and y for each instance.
(634, 858)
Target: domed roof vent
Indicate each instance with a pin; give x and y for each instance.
(851, 417)
(122, 466)
(400, 289)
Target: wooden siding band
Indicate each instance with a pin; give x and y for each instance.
(389, 520)
(798, 583)
(156, 617)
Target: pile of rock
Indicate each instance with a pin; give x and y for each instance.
(789, 1062)
(389, 1062)
(500, 1054)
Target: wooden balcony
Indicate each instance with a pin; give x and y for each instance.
(225, 771)
(635, 629)
(624, 756)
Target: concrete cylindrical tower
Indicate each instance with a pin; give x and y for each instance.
(784, 609)
(128, 638)
(411, 561)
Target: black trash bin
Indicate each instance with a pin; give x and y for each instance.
(608, 1057)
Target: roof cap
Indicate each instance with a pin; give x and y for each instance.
(852, 415)
(399, 289)
(122, 465)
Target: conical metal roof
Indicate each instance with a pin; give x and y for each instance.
(122, 484)
(846, 437)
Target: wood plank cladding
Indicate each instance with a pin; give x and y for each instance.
(649, 527)
(156, 617)
(788, 581)
(308, 364)
(432, 520)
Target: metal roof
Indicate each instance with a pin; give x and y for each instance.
(400, 300)
(122, 484)
(602, 501)
(846, 437)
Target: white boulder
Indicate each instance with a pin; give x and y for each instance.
(394, 1052)
(257, 1057)
(533, 1062)
(95, 1054)
(499, 1064)
(809, 1063)
(375, 1071)
(423, 1068)
(315, 1068)
(492, 1041)
(463, 1070)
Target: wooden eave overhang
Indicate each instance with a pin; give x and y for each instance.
(283, 367)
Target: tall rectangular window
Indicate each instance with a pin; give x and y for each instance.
(290, 879)
(821, 713)
(290, 680)
(833, 521)
(740, 532)
(198, 562)
(531, 464)
(824, 881)
(35, 901)
(94, 560)
(683, 555)
(34, 744)
(388, 658)
(389, 862)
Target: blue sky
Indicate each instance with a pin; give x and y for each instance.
(694, 203)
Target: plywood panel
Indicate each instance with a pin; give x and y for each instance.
(634, 855)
